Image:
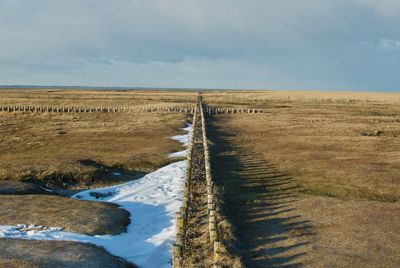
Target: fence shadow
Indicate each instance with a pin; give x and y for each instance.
(260, 202)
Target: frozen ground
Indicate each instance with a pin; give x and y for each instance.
(152, 202)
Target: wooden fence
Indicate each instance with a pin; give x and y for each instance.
(88, 109)
(119, 109)
(232, 110)
(213, 212)
(181, 217)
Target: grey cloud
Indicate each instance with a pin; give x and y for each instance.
(259, 43)
(389, 43)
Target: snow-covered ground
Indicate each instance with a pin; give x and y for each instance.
(184, 139)
(152, 202)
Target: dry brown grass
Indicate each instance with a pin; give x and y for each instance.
(305, 187)
(16, 253)
(136, 98)
(352, 233)
(323, 147)
(228, 255)
(256, 195)
(76, 151)
(84, 148)
(268, 98)
(73, 215)
(302, 185)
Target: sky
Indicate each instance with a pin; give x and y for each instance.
(249, 44)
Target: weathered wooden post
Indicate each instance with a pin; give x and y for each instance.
(217, 250)
(178, 221)
(177, 260)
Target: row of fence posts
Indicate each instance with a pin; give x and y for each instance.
(87, 109)
(232, 110)
(115, 109)
(181, 217)
(211, 195)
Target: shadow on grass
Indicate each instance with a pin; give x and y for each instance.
(116, 172)
(89, 174)
(259, 201)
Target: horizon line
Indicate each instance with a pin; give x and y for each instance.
(16, 86)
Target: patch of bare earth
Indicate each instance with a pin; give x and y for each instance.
(16, 253)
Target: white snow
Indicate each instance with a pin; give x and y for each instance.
(152, 202)
(184, 139)
(178, 154)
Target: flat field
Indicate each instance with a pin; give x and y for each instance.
(68, 152)
(313, 181)
(80, 149)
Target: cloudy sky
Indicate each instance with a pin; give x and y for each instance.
(278, 44)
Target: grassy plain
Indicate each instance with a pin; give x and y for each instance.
(84, 148)
(325, 148)
(312, 182)
(76, 151)
(133, 98)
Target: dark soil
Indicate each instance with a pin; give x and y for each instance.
(20, 188)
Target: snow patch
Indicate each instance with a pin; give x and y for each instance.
(184, 139)
(179, 154)
(151, 201)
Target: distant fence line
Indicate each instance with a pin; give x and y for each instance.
(88, 109)
(232, 110)
(118, 109)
